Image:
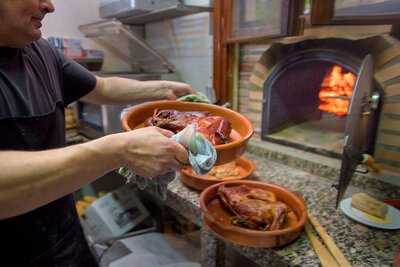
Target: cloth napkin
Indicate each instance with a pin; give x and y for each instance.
(202, 157)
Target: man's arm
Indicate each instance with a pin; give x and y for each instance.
(29, 180)
(116, 90)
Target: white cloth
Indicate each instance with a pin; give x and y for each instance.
(154, 250)
(202, 154)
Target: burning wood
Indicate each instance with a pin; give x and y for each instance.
(336, 91)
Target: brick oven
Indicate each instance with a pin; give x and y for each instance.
(303, 88)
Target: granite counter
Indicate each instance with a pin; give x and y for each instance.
(363, 246)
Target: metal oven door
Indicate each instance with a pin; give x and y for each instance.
(121, 8)
(98, 120)
(90, 119)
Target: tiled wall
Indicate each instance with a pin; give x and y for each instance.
(65, 21)
(386, 53)
(187, 43)
(249, 54)
(250, 102)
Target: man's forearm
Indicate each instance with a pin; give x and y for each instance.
(31, 179)
(124, 91)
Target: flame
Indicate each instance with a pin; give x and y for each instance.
(336, 91)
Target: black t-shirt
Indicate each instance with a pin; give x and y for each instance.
(36, 83)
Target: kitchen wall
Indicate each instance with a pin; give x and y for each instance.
(250, 102)
(187, 43)
(387, 151)
(68, 16)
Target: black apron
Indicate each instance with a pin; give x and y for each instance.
(50, 235)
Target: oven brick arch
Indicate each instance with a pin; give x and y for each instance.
(386, 53)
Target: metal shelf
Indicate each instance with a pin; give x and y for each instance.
(107, 32)
(177, 10)
(104, 32)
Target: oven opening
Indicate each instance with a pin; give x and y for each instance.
(306, 101)
(336, 90)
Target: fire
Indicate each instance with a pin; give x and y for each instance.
(336, 91)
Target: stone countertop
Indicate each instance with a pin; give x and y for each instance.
(72, 137)
(363, 246)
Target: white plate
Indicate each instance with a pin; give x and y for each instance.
(391, 222)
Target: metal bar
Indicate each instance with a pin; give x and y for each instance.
(147, 47)
(175, 11)
(131, 234)
(114, 49)
(235, 77)
(337, 97)
(111, 27)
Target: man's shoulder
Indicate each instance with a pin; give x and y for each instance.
(42, 44)
(42, 49)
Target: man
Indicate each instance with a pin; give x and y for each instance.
(38, 222)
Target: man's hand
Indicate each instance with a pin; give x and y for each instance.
(149, 152)
(126, 91)
(43, 176)
(172, 90)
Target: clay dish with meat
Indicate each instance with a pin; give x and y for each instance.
(254, 214)
(240, 169)
(241, 127)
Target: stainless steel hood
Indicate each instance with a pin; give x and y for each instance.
(144, 11)
(113, 34)
(125, 24)
(122, 8)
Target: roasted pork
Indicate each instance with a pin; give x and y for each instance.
(215, 128)
(253, 208)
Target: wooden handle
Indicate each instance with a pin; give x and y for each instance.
(329, 242)
(393, 202)
(323, 254)
(369, 161)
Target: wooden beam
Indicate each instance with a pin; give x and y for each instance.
(226, 94)
(255, 39)
(395, 31)
(235, 76)
(295, 19)
(366, 20)
(322, 11)
(217, 48)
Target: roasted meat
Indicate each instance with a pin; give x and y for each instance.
(215, 128)
(253, 208)
(174, 120)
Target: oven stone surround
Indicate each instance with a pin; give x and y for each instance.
(362, 246)
(386, 52)
(318, 165)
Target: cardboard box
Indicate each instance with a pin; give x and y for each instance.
(115, 213)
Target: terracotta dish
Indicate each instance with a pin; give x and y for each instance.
(396, 262)
(219, 219)
(242, 129)
(245, 169)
